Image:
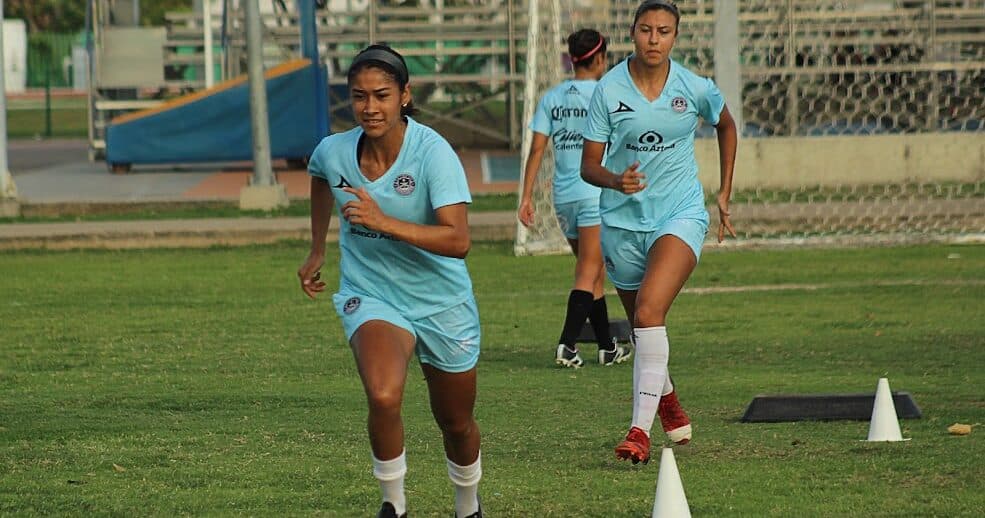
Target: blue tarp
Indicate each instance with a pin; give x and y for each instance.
(217, 126)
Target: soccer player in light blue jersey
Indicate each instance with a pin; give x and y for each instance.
(560, 117)
(642, 118)
(401, 193)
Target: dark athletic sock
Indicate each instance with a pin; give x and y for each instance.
(599, 317)
(579, 305)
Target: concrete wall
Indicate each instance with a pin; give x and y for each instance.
(791, 162)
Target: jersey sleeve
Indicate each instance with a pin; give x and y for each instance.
(711, 103)
(541, 122)
(447, 184)
(316, 165)
(598, 127)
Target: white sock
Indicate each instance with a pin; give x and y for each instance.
(668, 385)
(649, 374)
(391, 473)
(466, 481)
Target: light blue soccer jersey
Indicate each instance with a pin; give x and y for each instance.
(660, 136)
(427, 175)
(561, 115)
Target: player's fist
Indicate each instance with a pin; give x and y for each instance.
(310, 275)
(630, 181)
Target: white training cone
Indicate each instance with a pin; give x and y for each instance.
(884, 425)
(670, 501)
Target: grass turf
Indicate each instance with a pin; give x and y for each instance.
(202, 382)
(212, 209)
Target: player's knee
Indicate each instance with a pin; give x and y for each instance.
(650, 315)
(455, 426)
(385, 399)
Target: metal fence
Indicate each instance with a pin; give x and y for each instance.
(49, 59)
(869, 114)
(829, 67)
(808, 67)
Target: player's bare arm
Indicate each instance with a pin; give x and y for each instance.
(322, 203)
(537, 146)
(449, 237)
(727, 143)
(629, 181)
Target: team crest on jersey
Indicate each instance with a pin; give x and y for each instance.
(679, 104)
(351, 305)
(404, 184)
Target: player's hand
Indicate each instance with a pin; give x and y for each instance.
(723, 218)
(630, 181)
(363, 210)
(526, 213)
(310, 275)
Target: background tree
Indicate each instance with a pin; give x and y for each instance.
(69, 15)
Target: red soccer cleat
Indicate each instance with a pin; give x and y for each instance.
(675, 422)
(636, 446)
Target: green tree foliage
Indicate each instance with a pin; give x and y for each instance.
(48, 15)
(69, 15)
(152, 11)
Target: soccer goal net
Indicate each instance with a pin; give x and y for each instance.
(863, 122)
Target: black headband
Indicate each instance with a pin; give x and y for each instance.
(386, 57)
(652, 4)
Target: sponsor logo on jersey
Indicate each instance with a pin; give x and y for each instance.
(404, 184)
(623, 108)
(651, 137)
(351, 305)
(679, 104)
(559, 113)
(572, 90)
(342, 183)
(649, 141)
(369, 234)
(566, 140)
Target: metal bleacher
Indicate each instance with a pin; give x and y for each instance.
(465, 62)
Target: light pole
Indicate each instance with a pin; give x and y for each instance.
(263, 193)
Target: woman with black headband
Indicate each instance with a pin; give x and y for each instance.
(642, 118)
(401, 193)
(560, 116)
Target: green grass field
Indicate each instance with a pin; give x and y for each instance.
(28, 118)
(202, 382)
(211, 209)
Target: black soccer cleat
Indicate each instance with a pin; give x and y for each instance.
(477, 514)
(567, 357)
(618, 354)
(387, 511)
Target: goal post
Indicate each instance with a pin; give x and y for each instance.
(543, 70)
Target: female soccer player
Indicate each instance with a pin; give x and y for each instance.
(560, 116)
(654, 220)
(401, 193)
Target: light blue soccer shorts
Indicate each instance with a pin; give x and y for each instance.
(448, 340)
(580, 213)
(625, 251)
